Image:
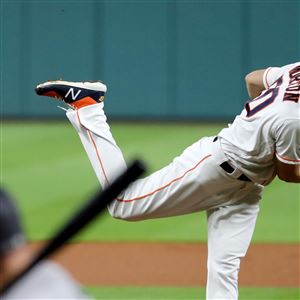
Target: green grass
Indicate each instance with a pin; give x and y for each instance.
(46, 169)
(162, 293)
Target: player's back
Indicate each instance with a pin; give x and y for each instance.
(268, 126)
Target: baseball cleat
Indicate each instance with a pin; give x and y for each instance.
(76, 94)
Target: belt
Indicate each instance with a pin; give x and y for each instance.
(229, 169)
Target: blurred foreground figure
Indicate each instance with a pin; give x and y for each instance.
(46, 281)
(223, 175)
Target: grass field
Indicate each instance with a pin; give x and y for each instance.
(164, 293)
(46, 169)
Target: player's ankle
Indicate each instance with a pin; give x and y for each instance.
(84, 102)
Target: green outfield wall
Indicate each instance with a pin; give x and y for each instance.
(160, 59)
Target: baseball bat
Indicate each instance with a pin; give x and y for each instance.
(82, 217)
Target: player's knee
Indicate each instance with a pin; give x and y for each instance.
(115, 213)
(118, 212)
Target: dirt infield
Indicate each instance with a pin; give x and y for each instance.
(174, 264)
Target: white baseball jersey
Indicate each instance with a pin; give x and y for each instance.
(268, 127)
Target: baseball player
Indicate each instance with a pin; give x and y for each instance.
(46, 281)
(222, 175)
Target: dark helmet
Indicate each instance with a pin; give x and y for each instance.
(11, 233)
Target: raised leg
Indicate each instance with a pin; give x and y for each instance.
(104, 154)
(192, 182)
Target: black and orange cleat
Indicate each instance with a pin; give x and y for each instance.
(76, 94)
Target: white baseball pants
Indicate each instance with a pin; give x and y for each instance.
(193, 182)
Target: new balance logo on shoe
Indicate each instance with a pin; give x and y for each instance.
(75, 94)
(71, 91)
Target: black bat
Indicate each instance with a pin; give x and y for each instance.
(85, 215)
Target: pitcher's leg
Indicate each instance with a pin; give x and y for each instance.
(194, 181)
(104, 154)
(173, 190)
(230, 230)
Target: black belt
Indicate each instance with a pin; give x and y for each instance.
(229, 169)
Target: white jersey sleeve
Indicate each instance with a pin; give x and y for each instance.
(272, 74)
(288, 142)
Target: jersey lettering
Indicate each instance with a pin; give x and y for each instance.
(293, 90)
(266, 98)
